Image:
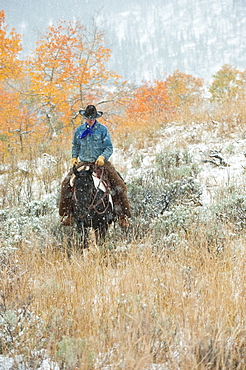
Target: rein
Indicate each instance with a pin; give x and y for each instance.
(93, 205)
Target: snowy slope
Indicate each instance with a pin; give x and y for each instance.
(221, 160)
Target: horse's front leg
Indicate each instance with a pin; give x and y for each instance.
(83, 234)
(100, 234)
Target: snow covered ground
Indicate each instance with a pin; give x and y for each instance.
(222, 160)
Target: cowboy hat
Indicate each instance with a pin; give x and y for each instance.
(90, 112)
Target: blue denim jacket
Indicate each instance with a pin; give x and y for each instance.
(89, 148)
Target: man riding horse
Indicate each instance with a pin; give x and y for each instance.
(92, 144)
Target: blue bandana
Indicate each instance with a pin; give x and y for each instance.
(87, 131)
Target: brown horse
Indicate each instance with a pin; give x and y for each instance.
(92, 205)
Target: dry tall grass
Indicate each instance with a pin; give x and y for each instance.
(128, 309)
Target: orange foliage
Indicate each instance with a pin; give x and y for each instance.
(149, 104)
(160, 102)
(14, 124)
(10, 47)
(149, 100)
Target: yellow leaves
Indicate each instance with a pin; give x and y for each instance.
(183, 89)
(228, 84)
(10, 46)
(16, 121)
(2, 17)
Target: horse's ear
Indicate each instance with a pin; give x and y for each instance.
(75, 171)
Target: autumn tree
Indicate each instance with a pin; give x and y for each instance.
(229, 84)
(67, 70)
(184, 90)
(148, 103)
(14, 117)
(10, 47)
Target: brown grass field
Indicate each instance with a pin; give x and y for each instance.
(129, 309)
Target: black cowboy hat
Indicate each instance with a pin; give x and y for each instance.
(90, 112)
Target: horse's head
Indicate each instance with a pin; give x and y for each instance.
(83, 187)
(82, 172)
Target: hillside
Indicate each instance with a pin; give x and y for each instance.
(196, 37)
(169, 294)
(220, 156)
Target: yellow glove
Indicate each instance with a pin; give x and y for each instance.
(74, 161)
(100, 160)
